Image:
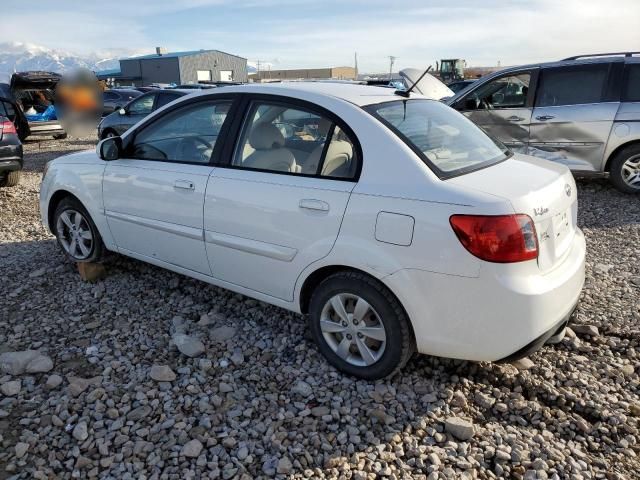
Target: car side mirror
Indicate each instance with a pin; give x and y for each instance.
(122, 111)
(110, 148)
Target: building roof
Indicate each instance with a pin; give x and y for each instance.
(177, 54)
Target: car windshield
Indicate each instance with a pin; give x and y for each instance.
(447, 141)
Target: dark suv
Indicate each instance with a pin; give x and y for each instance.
(583, 112)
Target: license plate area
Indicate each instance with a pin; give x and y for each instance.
(561, 223)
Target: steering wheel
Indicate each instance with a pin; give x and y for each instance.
(186, 141)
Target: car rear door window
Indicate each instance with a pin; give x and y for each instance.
(165, 98)
(142, 106)
(631, 91)
(109, 96)
(279, 138)
(185, 135)
(572, 85)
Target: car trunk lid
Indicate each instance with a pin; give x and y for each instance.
(543, 190)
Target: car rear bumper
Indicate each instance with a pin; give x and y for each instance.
(10, 158)
(46, 128)
(501, 313)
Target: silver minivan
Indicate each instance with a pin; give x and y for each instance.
(583, 112)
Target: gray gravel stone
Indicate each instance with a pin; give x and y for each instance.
(460, 428)
(575, 415)
(11, 388)
(21, 449)
(188, 345)
(81, 431)
(192, 448)
(162, 373)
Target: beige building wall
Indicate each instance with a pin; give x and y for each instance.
(338, 73)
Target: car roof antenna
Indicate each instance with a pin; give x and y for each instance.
(405, 93)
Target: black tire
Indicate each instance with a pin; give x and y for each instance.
(108, 132)
(97, 249)
(616, 168)
(399, 344)
(60, 136)
(11, 179)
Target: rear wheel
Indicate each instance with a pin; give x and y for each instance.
(359, 326)
(76, 233)
(11, 179)
(625, 169)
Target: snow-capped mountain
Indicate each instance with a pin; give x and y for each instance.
(17, 57)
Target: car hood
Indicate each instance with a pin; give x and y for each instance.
(83, 157)
(429, 86)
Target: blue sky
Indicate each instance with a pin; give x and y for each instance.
(304, 33)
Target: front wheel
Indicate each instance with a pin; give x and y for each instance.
(76, 233)
(625, 169)
(359, 326)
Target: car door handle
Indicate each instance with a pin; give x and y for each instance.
(515, 118)
(312, 204)
(544, 117)
(184, 184)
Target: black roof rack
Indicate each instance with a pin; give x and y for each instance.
(626, 54)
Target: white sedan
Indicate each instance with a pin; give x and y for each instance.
(394, 222)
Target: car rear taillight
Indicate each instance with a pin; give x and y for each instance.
(7, 126)
(497, 238)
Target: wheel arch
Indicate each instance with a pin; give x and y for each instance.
(55, 200)
(319, 275)
(618, 149)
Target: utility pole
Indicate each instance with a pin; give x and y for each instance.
(392, 60)
(355, 58)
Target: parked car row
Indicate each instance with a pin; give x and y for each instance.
(132, 112)
(390, 219)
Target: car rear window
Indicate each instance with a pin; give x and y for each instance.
(446, 141)
(632, 84)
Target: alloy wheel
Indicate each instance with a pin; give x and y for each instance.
(631, 171)
(74, 234)
(353, 329)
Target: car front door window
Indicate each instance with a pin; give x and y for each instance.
(504, 92)
(185, 135)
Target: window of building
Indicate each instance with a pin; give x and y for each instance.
(203, 75)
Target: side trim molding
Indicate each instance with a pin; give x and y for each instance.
(180, 230)
(278, 252)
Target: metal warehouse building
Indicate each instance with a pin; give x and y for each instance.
(180, 68)
(337, 73)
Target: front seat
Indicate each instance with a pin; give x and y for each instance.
(269, 152)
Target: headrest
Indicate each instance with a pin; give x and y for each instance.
(266, 136)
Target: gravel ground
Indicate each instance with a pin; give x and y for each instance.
(120, 401)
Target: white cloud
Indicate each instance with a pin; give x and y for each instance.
(309, 33)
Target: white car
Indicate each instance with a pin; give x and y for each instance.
(394, 222)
